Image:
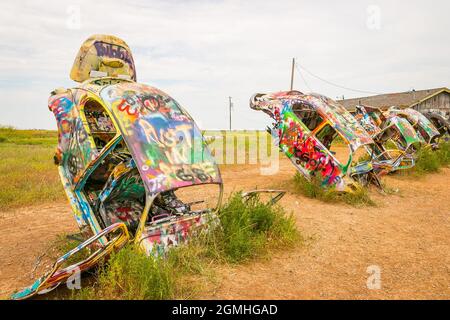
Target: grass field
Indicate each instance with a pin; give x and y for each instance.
(240, 146)
(345, 238)
(27, 173)
(9, 135)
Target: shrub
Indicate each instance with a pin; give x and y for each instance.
(443, 153)
(129, 274)
(427, 161)
(314, 189)
(247, 229)
(238, 238)
(356, 198)
(430, 161)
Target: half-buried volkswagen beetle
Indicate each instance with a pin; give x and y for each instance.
(424, 127)
(441, 124)
(321, 138)
(128, 156)
(395, 137)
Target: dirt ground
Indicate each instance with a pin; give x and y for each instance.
(406, 237)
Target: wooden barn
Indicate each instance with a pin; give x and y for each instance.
(434, 100)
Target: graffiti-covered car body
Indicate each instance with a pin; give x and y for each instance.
(396, 139)
(440, 123)
(424, 127)
(306, 126)
(124, 152)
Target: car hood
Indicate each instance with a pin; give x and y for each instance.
(162, 137)
(406, 129)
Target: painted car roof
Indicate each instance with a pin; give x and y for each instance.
(162, 137)
(419, 118)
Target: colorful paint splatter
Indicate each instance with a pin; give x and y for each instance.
(123, 150)
(306, 126)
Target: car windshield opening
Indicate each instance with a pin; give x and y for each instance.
(310, 117)
(99, 123)
(331, 140)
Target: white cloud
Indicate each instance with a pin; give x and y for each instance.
(201, 52)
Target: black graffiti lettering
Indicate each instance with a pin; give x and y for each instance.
(316, 161)
(313, 163)
(113, 51)
(151, 103)
(72, 164)
(304, 157)
(322, 161)
(201, 175)
(192, 174)
(185, 176)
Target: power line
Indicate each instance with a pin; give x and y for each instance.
(303, 78)
(334, 84)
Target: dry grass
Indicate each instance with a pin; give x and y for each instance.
(28, 137)
(27, 173)
(314, 189)
(242, 146)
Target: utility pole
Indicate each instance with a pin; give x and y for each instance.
(230, 106)
(292, 74)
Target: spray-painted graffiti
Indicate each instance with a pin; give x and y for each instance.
(167, 145)
(368, 119)
(113, 51)
(74, 149)
(299, 118)
(395, 139)
(79, 152)
(105, 55)
(123, 150)
(306, 151)
(420, 123)
(159, 239)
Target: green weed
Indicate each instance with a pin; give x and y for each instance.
(314, 189)
(247, 229)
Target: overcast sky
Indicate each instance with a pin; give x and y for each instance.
(201, 52)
